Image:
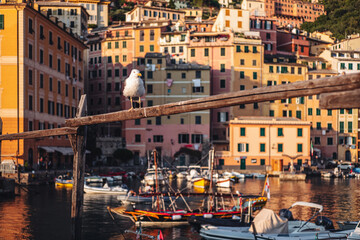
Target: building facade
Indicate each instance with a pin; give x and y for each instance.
(42, 80)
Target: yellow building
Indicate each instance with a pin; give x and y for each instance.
(266, 141)
(247, 67)
(41, 82)
(275, 73)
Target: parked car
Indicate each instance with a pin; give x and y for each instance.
(346, 165)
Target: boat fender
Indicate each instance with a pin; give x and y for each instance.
(208, 215)
(176, 217)
(236, 217)
(324, 221)
(286, 213)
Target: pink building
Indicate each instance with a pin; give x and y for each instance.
(215, 50)
(267, 29)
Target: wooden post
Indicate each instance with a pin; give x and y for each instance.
(78, 143)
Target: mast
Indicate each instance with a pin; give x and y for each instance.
(156, 181)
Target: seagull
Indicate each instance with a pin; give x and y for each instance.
(134, 87)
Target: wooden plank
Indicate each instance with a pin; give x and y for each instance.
(39, 133)
(297, 89)
(347, 99)
(78, 143)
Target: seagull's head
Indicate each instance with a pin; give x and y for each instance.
(135, 73)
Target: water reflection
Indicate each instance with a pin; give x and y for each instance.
(43, 212)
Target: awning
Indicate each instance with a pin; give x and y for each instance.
(63, 150)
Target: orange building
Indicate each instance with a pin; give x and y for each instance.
(41, 81)
(266, 141)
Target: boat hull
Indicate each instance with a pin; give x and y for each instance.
(201, 182)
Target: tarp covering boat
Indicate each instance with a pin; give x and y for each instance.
(268, 222)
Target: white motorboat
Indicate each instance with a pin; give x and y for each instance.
(120, 190)
(150, 177)
(268, 225)
(356, 233)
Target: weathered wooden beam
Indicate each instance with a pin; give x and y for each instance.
(347, 99)
(39, 133)
(78, 143)
(297, 89)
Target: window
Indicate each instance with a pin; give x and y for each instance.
(242, 147)
(254, 49)
(349, 111)
(198, 74)
(271, 113)
(318, 112)
(109, 59)
(30, 102)
(196, 138)
(41, 80)
(271, 69)
(299, 147)
(137, 138)
(151, 48)
(242, 74)
(30, 77)
(222, 83)
(192, 52)
(280, 132)
(317, 141)
(41, 56)
(124, 72)
(299, 132)
(280, 147)
(242, 62)
(329, 141)
(206, 52)
(246, 49)
(222, 51)
(30, 26)
(149, 88)
(222, 116)
(342, 127)
(350, 128)
(262, 147)
(197, 119)
(318, 125)
(30, 51)
(158, 120)
(183, 138)
(329, 112)
(158, 138)
(242, 131)
(310, 111)
(2, 24)
(222, 67)
(149, 74)
(254, 75)
(298, 114)
(262, 132)
(238, 48)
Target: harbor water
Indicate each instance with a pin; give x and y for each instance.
(43, 212)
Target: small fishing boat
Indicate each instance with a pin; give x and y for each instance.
(121, 190)
(200, 182)
(346, 225)
(356, 233)
(64, 181)
(224, 182)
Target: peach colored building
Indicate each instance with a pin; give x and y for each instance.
(266, 141)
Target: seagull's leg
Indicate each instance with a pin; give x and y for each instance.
(131, 104)
(139, 102)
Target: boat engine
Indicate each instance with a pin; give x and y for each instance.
(324, 221)
(286, 213)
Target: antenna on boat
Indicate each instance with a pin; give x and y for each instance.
(156, 180)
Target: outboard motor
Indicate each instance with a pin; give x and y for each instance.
(324, 221)
(286, 213)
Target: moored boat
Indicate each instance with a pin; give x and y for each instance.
(200, 182)
(64, 181)
(120, 190)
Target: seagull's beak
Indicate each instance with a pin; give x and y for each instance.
(139, 74)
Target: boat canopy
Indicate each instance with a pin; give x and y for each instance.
(308, 204)
(268, 222)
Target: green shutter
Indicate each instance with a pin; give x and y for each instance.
(2, 24)
(299, 147)
(239, 147)
(299, 132)
(280, 147)
(247, 147)
(262, 132)
(242, 131)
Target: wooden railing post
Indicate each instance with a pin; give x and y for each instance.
(78, 143)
